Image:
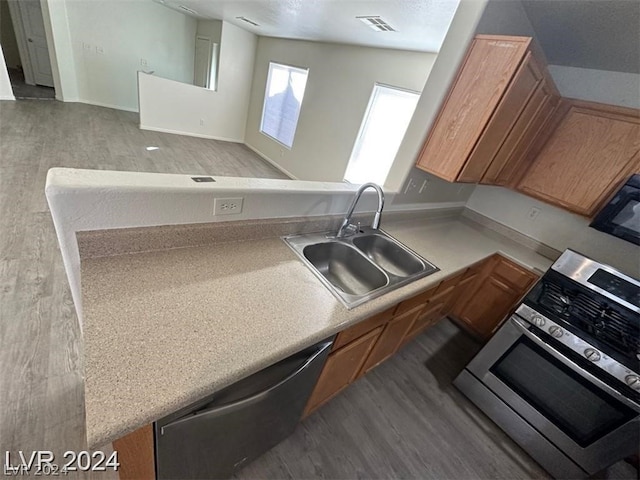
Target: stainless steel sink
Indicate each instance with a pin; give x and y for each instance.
(389, 255)
(359, 267)
(345, 267)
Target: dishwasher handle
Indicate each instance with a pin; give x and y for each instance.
(230, 407)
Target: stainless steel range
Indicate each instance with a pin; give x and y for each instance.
(562, 375)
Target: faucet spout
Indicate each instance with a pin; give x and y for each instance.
(347, 227)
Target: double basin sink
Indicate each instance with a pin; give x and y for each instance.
(359, 267)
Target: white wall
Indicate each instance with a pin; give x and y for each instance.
(6, 92)
(174, 107)
(340, 82)
(615, 88)
(63, 67)
(554, 227)
(442, 74)
(108, 40)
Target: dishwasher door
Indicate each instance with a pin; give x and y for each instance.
(221, 434)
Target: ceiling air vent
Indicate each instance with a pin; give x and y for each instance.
(251, 22)
(187, 9)
(377, 23)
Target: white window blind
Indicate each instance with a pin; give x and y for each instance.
(282, 101)
(383, 127)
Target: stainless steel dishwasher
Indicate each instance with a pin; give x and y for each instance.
(222, 433)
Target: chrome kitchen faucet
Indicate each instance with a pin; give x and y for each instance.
(347, 228)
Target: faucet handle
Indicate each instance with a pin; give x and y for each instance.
(352, 229)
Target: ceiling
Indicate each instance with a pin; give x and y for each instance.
(420, 25)
(597, 34)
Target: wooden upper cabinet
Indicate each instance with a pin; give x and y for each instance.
(496, 83)
(594, 149)
(526, 137)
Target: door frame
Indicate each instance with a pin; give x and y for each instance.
(21, 40)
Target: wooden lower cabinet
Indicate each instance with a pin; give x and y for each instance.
(428, 316)
(341, 369)
(136, 455)
(487, 300)
(390, 339)
(478, 298)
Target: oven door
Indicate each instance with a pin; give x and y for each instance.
(581, 415)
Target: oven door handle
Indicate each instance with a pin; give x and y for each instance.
(576, 368)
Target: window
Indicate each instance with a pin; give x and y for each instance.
(385, 123)
(282, 100)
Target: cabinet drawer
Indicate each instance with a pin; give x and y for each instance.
(513, 274)
(419, 299)
(362, 328)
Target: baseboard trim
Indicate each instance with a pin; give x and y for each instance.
(108, 105)
(271, 162)
(189, 134)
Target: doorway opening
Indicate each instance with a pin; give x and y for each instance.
(24, 44)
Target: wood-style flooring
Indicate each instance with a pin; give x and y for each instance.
(403, 420)
(41, 391)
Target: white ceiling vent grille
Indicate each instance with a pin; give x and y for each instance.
(251, 22)
(377, 23)
(187, 9)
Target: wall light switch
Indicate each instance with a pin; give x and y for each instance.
(99, 50)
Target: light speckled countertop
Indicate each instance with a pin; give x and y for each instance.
(166, 328)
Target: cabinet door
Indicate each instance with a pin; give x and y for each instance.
(518, 95)
(519, 147)
(489, 66)
(593, 150)
(488, 306)
(390, 339)
(341, 368)
(359, 329)
(461, 293)
(429, 316)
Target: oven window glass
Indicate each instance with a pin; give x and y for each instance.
(577, 407)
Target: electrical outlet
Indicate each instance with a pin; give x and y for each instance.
(411, 185)
(533, 213)
(86, 46)
(202, 122)
(99, 50)
(143, 62)
(227, 206)
(424, 185)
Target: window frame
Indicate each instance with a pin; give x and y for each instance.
(265, 97)
(365, 119)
